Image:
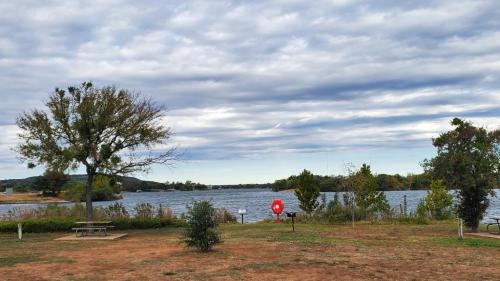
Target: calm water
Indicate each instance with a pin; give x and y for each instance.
(256, 201)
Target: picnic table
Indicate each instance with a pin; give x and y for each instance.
(497, 223)
(92, 227)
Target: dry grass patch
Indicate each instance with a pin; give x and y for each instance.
(261, 252)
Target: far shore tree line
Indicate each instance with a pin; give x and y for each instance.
(111, 132)
(384, 182)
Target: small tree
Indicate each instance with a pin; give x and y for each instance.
(201, 229)
(365, 189)
(107, 130)
(468, 159)
(307, 191)
(438, 201)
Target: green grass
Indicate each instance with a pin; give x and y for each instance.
(12, 260)
(467, 242)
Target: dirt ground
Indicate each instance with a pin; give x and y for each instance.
(260, 252)
(29, 197)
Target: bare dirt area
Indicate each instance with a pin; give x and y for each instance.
(260, 252)
(28, 198)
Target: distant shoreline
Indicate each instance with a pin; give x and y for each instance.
(28, 198)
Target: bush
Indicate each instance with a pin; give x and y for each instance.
(438, 201)
(65, 224)
(39, 225)
(144, 211)
(165, 212)
(201, 226)
(116, 211)
(224, 216)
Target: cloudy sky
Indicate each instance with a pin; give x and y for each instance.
(258, 90)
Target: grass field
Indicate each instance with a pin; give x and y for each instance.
(260, 252)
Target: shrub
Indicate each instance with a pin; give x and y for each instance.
(422, 210)
(438, 201)
(39, 225)
(224, 216)
(144, 211)
(65, 224)
(116, 211)
(165, 212)
(201, 226)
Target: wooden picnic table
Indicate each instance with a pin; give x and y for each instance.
(497, 223)
(91, 227)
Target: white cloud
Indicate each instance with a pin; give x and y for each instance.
(243, 78)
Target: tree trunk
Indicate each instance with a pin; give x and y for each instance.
(88, 197)
(475, 227)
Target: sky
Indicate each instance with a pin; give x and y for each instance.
(259, 90)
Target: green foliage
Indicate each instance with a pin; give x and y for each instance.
(65, 224)
(384, 182)
(438, 201)
(22, 188)
(187, 186)
(51, 182)
(39, 225)
(93, 127)
(201, 227)
(365, 189)
(468, 159)
(74, 191)
(307, 192)
(422, 210)
(101, 190)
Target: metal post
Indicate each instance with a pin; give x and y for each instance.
(20, 231)
(460, 229)
(241, 218)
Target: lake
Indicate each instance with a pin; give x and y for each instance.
(256, 201)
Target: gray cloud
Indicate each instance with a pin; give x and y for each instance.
(246, 78)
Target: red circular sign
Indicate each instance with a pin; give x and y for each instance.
(278, 206)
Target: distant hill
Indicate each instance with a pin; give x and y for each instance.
(133, 184)
(128, 183)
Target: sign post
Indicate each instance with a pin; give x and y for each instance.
(242, 212)
(292, 215)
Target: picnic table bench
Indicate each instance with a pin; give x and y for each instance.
(92, 227)
(497, 223)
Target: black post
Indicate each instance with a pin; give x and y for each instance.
(241, 218)
(292, 215)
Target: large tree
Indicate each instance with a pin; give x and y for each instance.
(468, 159)
(108, 131)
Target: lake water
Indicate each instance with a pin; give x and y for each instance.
(256, 201)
